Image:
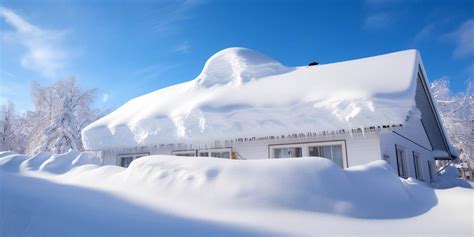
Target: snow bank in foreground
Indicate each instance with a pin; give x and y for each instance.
(167, 195)
(47, 161)
(311, 184)
(242, 93)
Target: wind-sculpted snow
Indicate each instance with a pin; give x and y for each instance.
(47, 161)
(310, 184)
(168, 195)
(242, 93)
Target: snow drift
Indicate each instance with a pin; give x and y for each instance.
(188, 196)
(242, 93)
(309, 184)
(47, 161)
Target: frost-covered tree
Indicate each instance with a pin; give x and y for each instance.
(8, 118)
(61, 111)
(457, 113)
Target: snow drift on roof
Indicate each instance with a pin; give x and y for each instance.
(242, 93)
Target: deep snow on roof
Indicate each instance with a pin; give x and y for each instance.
(242, 93)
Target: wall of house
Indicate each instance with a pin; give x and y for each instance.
(412, 137)
(110, 156)
(360, 148)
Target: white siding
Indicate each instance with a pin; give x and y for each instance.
(387, 145)
(360, 148)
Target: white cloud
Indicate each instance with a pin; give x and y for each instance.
(44, 53)
(152, 72)
(378, 20)
(183, 47)
(464, 38)
(168, 13)
(424, 33)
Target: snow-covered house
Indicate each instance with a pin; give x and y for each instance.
(245, 105)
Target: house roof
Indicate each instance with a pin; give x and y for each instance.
(242, 93)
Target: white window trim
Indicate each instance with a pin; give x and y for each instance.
(185, 152)
(418, 165)
(227, 149)
(305, 148)
(405, 164)
(133, 155)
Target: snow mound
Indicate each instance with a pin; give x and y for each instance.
(449, 178)
(309, 184)
(85, 158)
(47, 161)
(59, 163)
(242, 93)
(12, 162)
(5, 153)
(35, 161)
(238, 65)
(177, 196)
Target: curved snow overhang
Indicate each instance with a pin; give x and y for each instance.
(354, 94)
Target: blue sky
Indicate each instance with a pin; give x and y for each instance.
(129, 48)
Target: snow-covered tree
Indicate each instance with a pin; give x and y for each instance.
(457, 113)
(8, 119)
(62, 110)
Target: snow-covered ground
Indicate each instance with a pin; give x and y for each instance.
(50, 195)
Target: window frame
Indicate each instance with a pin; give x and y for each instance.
(134, 156)
(403, 161)
(288, 147)
(417, 163)
(215, 150)
(305, 149)
(185, 153)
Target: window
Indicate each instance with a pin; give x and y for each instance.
(125, 161)
(223, 154)
(417, 162)
(332, 152)
(401, 162)
(288, 152)
(216, 152)
(188, 153)
(430, 169)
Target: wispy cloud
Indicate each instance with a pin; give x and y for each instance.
(167, 14)
(464, 38)
(44, 53)
(379, 20)
(381, 13)
(183, 47)
(152, 71)
(424, 33)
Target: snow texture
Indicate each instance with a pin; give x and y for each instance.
(167, 195)
(242, 93)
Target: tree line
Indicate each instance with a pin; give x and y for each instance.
(60, 112)
(457, 114)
